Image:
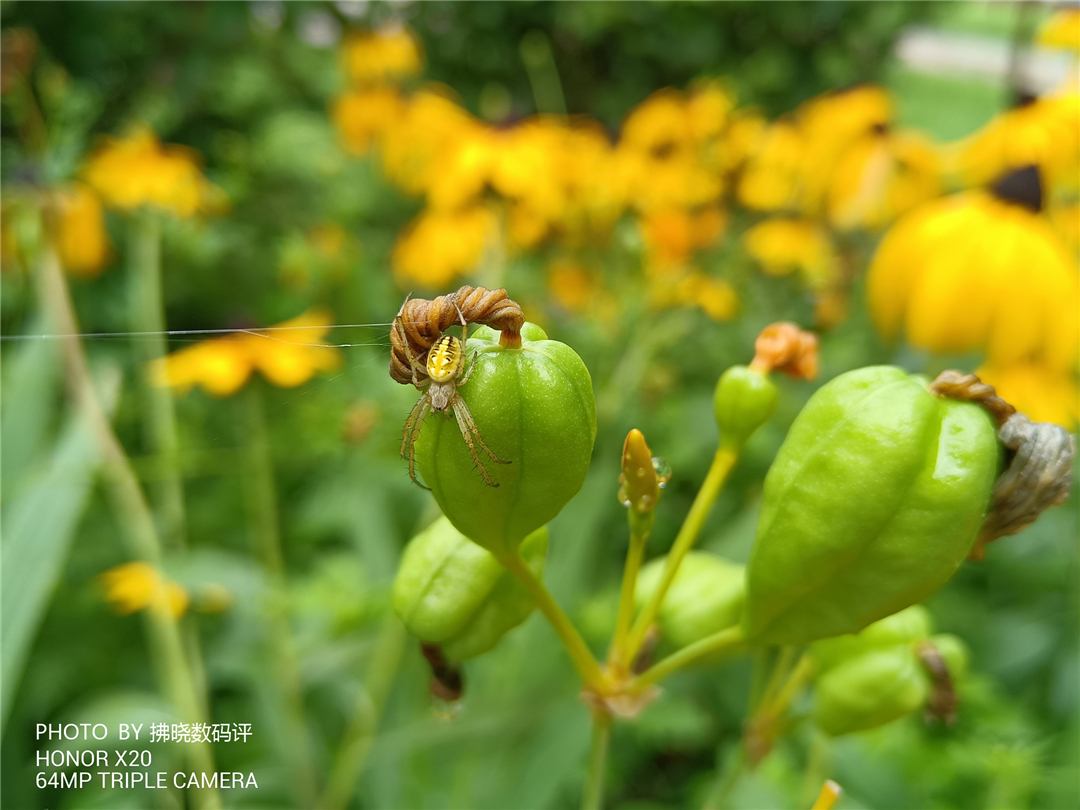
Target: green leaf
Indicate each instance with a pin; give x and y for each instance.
(38, 526)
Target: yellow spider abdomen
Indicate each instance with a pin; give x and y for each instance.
(444, 360)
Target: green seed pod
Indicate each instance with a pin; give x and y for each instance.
(874, 500)
(909, 625)
(870, 690)
(533, 406)
(705, 597)
(451, 592)
(743, 401)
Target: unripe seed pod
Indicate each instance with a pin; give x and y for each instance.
(743, 401)
(870, 690)
(533, 406)
(906, 627)
(874, 500)
(705, 597)
(451, 592)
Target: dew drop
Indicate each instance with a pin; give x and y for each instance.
(663, 471)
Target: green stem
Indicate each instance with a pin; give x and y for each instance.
(543, 74)
(593, 798)
(634, 555)
(579, 652)
(265, 538)
(147, 316)
(778, 704)
(776, 676)
(718, 797)
(122, 486)
(721, 466)
(359, 737)
(726, 641)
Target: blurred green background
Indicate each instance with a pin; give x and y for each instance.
(248, 85)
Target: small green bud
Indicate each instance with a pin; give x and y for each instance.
(451, 592)
(909, 625)
(705, 597)
(533, 406)
(744, 400)
(870, 690)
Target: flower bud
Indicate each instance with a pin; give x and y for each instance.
(533, 405)
(870, 690)
(705, 597)
(452, 593)
(906, 627)
(873, 501)
(744, 400)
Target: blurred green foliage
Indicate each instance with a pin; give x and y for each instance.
(247, 85)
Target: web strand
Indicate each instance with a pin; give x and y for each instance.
(254, 332)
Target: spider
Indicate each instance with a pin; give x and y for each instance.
(440, 379)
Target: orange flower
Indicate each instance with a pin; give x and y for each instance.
(363, 117)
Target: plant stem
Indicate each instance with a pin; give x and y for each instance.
(579, 652)
(776, 676)
(173, 668)
(719, 795)
(147, 315)
(721, 466)
(360, 736)
(635, 553)
(726, 641)
(266, 545)
(593, 798)
(786, 693)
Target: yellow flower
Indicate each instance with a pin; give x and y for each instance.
(745, 131)
(288, 356)
(1061, 30)
(383, 55)
(972, 271)
(139, 171)
(661, 158)
(830, 124)
(672, 236)
(82, 239)
(138, 585)
(363, 117)
(1042, 394)
(880, 176)
(1065, 218)
(571, 286)
(415, 145)
(714, 296)
(439, 246)
(1044, 132)
(772, 177)
(785, 245)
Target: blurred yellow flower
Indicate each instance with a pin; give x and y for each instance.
(571, 285)
(660, 156)
(139, 171)
(135, 586)
(744, 132)
(383, 55)
(713, 296)
(1042, 394)
(881, 175)
(973, 271)
(81, 237)
(784, 245)
(363, 117)
(672, 236)
(1044, 132)
(288, 356)
(439, 246)
(417, 143)
(1065, 218)
(1061, 30)
(772, 177)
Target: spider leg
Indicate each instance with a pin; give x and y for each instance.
(414, 363)
(412, 433)
(467, 428)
